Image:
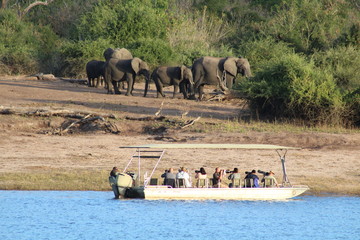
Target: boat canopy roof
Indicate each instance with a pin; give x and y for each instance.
(211, 145)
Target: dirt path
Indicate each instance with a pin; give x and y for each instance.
(327, 162)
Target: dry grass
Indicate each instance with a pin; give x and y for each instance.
(55, 180)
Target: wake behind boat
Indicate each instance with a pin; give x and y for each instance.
(131, 185)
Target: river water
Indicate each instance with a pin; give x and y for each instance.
(38, 215)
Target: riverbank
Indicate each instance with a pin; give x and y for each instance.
(42, 148)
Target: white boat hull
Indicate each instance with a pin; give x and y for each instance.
(160, 192)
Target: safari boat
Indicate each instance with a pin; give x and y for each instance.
(131, 185)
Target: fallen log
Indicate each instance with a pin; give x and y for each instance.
(51, 112)
(161, 118)
(190, 122)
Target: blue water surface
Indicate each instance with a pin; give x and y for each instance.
(38, 215)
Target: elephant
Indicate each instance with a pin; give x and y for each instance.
(125, 70)
(118, 53)
(217, 71)
(179, 76)
(95, 72)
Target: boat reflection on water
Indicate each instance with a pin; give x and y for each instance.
(131, 185)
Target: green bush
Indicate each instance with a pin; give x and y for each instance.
(352, 101)
(293, 87)
(261, 52)
(75, 55)
(17, 44)
(154, 51)
(124, 22)
(309, 25)
(343, 63)
(25, 48)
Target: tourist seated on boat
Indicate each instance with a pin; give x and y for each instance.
(182, 174)
(252, 175)
(270, 180)
(234, 176)
(114, 172)
(169, 177)
(217, 178)
(201, 178)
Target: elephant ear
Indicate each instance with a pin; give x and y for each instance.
(135, 64)
(108, 53)
(230, 66)
(182, 71)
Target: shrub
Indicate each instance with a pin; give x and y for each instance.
(124, 22)
(343, 63)
(75, 55)
(260, 52)
(17, 44)
(293, 87)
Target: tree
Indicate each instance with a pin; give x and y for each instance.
(26, 9)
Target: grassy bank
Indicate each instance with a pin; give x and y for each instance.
(56, 180)
(98, 181)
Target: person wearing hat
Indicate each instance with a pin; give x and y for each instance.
(114, 172)
(270, 175)
(182, 174)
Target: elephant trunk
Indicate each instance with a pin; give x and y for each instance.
(222, 86)
(147, 82)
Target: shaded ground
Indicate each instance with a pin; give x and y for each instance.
(327, 162)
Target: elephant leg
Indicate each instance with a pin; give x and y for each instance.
(116, 89)
(201, 92)
(97, 82)
(183, 89)
(159, 87)
(176, 89)
(130, 81)
(89, 82)
(229, 81)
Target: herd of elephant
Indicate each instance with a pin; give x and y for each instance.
(120, 66)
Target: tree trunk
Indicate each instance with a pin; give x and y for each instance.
(3, 4)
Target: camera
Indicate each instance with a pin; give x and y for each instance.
(228, 171)
(197, 171)
(264, 173)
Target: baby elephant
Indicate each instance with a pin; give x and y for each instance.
(95, 72)
(180, 76)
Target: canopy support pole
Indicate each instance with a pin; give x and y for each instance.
(157, 163)
(285, 181)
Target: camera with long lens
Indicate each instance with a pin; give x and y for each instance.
(229, 171)
(263, 172)
(197, 171)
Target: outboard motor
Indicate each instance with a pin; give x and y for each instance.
(123, 181)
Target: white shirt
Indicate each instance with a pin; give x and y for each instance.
(184, 175)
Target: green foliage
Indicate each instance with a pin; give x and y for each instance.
(76, 54)
(293, 87)
(123, 22)
(154, 51)
(261, 52)
(17, 44)
(343, 63)
(23, 46)
(352, 101)
(308, 25)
